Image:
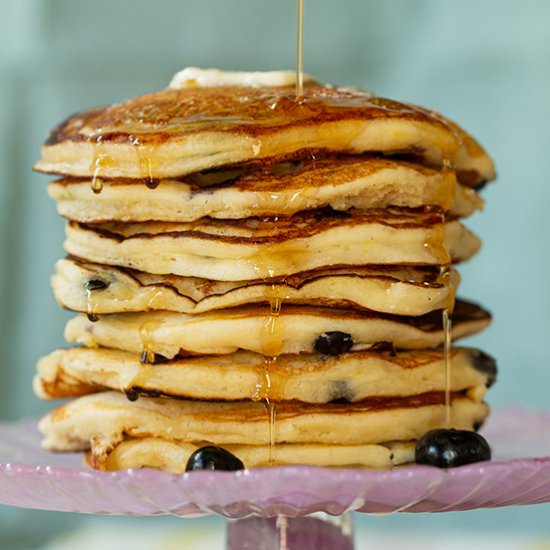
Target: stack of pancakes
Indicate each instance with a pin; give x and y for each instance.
(262, 272)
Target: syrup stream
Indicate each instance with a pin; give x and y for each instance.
(445, 279)
(448, 365)
(299, 48)
(272, 346)
(282, 526)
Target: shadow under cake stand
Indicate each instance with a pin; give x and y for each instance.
(293, 507)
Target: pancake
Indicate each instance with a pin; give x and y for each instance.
(253, 248)
(180, 131)
(109, 417)
(295, 329)
(263, 272)
(308, 378)
(171, 456)
(282, 189)
(88, 287)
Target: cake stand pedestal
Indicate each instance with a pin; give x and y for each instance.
(309, 533)
(278, 507)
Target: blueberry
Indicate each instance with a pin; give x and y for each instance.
(334, 343)
(485, 364)
(450, 448)
(213, 458)
(132, 394)
(95, 284)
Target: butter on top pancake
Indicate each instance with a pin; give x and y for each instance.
(109, 417)
(98, 289)
(296, 330)
(282, 189)
(253, 248)
(310, 378)
(180, 131)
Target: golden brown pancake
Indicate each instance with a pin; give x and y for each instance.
(282, 189)
(295, 329)
(310, 378)
(172, 456)
(253, 248)
(109, 417)
(98, 289)
(177, 132)
(263, 272)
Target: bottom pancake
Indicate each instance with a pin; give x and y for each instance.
(172, 457)
(108, 418)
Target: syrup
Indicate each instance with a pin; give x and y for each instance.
(444, 278)
(448, 364)
(299, 48)
(148, 355)
(272, 345)
(147, 163)
(272, 333)
(98, 162)
(97, 182)
(147, 342)
(91, 306)
(282, 526)
(435, 243)
(263, 264)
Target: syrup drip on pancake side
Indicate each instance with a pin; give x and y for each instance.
(435, 244)
(147, 163)
(91, 288)
(97, 163)
(148, 355)
(272, 344)
(146, 330)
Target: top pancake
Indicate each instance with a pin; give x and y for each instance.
(176, 132)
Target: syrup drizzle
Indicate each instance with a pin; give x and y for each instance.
(145, 333)
(272, 330)
(272, 347)
(448, 364)
(299, 48)
(91, 306)
(146, 163)
(95, 166)
(282, 526)
(444, 278)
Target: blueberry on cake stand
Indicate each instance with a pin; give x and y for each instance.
(288, 507)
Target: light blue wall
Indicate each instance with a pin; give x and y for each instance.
(485, 63)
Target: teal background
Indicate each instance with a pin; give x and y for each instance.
(484, 63)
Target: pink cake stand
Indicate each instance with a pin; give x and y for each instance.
(282, 507)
